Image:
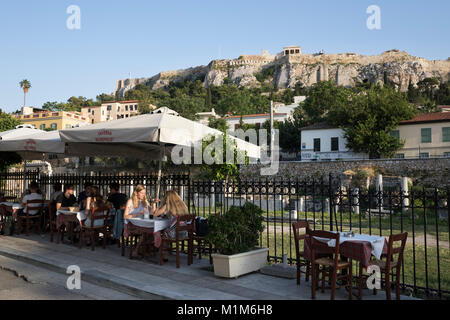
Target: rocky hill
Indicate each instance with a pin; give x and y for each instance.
(285, 69)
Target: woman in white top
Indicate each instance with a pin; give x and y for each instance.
(138, 205)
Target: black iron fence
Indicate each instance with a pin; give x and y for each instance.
(327, 204)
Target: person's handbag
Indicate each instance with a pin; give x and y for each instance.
(201, 226)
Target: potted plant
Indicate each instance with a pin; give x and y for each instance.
(235, 235)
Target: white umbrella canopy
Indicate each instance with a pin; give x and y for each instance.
(32, 147)
(19, 131)
(36, 146)
(159, 129)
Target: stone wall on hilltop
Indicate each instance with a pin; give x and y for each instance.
(345, 68)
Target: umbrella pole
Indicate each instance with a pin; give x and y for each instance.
(158, 185)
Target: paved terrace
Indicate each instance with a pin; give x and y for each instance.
(146, 279)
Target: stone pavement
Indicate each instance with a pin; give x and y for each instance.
(146, 279)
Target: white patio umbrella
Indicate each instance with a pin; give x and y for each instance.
(34, 146)
(155, 133)
(17, 133)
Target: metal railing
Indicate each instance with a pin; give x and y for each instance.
(421, 211)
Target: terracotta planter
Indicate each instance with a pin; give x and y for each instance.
(235, 265)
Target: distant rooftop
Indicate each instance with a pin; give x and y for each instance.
(428, 117)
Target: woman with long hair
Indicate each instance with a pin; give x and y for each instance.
(138, 204)
(172, 206)
(94, 200)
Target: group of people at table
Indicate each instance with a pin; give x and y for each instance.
(138, 206)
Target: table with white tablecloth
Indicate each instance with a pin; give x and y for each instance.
(156, 224)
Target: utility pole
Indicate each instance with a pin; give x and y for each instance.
(272, 138)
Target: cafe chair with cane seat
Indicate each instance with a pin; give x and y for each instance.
(392, 264)
(329, 265)
(28, 218)
(96, 222)
(184, 223)
(300, 258)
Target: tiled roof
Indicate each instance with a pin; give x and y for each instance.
(255, 115)
(428, 117)
(319, 126)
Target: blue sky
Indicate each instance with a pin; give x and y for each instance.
(144, 37)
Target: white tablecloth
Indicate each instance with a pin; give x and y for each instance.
(376, 242)
(14, 205)
(81, 215)
(157, 224)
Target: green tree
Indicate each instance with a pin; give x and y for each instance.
(323, 97)
(369, 118)
(7, 122)
(221, 171)
(103, 97)
(25, 85)
(208, 99)
(219, 124)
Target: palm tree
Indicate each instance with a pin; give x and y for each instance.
(25, 85)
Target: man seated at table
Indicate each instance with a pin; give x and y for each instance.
(115, 197)
(33, 195)
(67, 199)
(82, 197)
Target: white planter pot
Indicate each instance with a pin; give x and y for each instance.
(238, 264)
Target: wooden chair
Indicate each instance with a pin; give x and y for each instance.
(300, 255)
(28, 218)
(387, 265)
(52, 218)
(182, 225)
(330, 265)
(3, 216)
(202, 244)
(96, 214)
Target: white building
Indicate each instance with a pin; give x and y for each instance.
(203, 117)
(254, 119)
(111, 111)
(425, 136)
(322, 141)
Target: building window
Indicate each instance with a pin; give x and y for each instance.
(126, 108)
(446, 134)
(286, 52)
(93, 112)
(89, 110)
(317, 145)
(54, 126)
(92, 121)
(447, 154)
(400, 155)
(424, 155)
(103, 112)
(42, 126)
(335, 144)
(426, 135)
(109, 108)
(396, 134)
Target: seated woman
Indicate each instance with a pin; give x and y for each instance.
(138, 204)
(172, 206)
(93, 200)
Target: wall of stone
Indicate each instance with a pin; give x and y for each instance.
(422, 171)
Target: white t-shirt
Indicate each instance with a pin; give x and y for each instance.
(29, 197)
